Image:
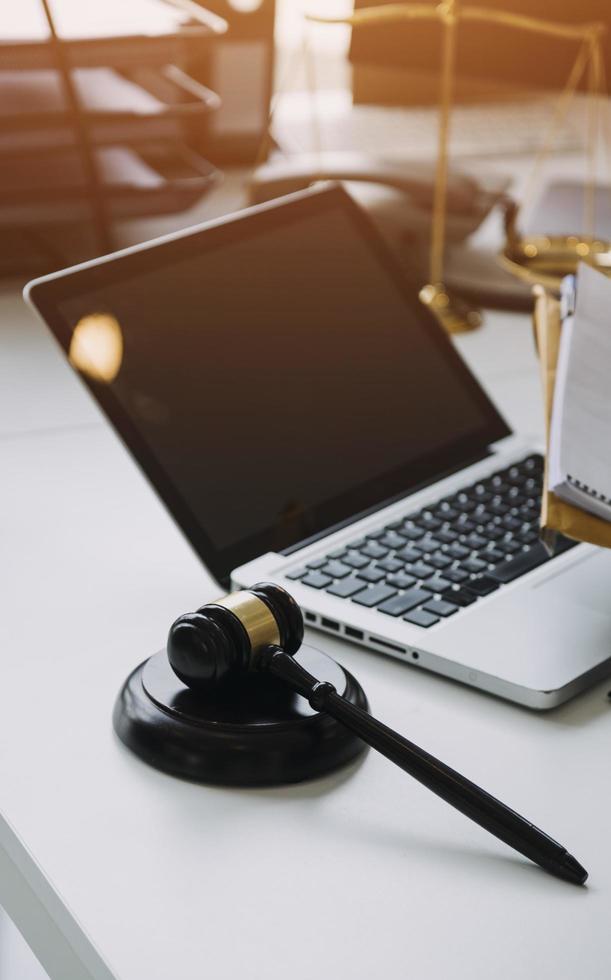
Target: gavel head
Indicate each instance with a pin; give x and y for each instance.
(222, 639)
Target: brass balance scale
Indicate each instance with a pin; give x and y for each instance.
(537, 259)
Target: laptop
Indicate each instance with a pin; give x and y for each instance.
(307, 422)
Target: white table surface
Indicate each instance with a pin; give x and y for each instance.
(111, 869)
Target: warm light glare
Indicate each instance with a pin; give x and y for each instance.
(292, 27)
(245, 6)
(96, 347)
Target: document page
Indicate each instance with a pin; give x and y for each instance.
(580, 438)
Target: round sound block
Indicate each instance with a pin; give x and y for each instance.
(258, 733)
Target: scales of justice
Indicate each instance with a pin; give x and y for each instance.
(538, 259)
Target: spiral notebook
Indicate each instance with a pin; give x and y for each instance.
(580, 435)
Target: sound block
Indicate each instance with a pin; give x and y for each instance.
(257, 733)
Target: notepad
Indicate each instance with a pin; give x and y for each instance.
(580, 435)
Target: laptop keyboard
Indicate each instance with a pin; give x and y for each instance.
(436, 561)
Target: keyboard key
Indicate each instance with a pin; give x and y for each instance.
(491, 555)
(462, 517)
(514, 496)
(421, 618)
(394, 525)
(493, 532)
(375, 535)
(439, 560)
(480, 493)
(428, 521)
(316, 563)
(498, 509)
(524, 562)
(456, 575)
(392, 540)
(429, 545)
(445, 512)
(392, 564)
(373, 550)
(519, 488)
(446, 535)
(411, 518)
(481, 585)
(457, 551)
(463, 503)
(481, 515)
(475, 541)
(509, 546)
(339, 553)
(498, 485)
(464, 525)
(460, 597)
(439, 607)
(420, 569)
(295, 574)
(409, 553)
(316, 580)
(436, 584)
(336, 569)
(411, 532)
(346, 588)
(358, 544)
(511, 523)
(355, 560)
(533, 464)
(402, 603)
(401, 580)
(373, 595)
(371, 574)
(473, 565)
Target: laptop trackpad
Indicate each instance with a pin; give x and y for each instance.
(586, 583)
(541, 637)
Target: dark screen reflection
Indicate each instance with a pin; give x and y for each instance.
(276, 373)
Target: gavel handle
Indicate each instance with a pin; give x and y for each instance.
(459, 792)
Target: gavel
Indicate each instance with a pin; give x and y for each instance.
(261, 629)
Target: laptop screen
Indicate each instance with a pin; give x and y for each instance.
(273, 375)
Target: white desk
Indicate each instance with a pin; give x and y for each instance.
(112, 870)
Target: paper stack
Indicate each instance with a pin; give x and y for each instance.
(574, 342)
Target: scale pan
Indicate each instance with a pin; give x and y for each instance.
(546, 259)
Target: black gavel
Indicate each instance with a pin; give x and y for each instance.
(261, 629)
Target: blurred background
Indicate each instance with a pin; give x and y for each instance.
(123, 112)
(123, 120)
